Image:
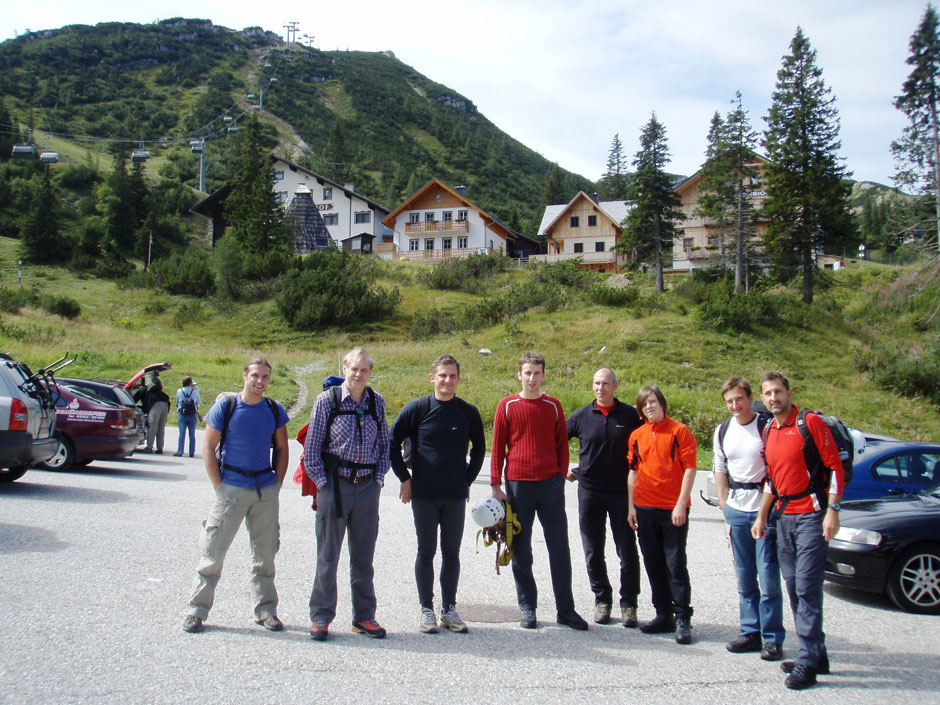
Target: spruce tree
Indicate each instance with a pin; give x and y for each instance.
(807, 199)
(255, 217)
(39, 228)
(917, 152)
(613, 185)
(651, 224)
(554, 191)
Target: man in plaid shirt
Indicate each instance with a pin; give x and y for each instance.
(348, 467)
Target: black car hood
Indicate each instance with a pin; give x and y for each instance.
(872, 513)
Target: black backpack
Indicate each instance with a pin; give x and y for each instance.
(409, 444)
(188, 405)
(820, 476)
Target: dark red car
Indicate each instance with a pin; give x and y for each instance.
(90, 428)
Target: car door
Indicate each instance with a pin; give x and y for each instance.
(907, 472)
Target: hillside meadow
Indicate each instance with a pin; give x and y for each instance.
(120, 329)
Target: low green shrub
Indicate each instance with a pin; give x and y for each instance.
(64, 306)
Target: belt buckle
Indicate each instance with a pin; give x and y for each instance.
(361, 478)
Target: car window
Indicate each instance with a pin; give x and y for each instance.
(909, 468)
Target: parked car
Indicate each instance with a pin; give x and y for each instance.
(90, 428)
(27, 419)
(114, 392)
(892, 546)
(135, 386)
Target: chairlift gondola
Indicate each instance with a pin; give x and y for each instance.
(268, 65)
(48, 157)
(273, 79)
(140, 155)
(23, 151)
(227, 119)
(233, 128)
(195, 146)
(251, 96)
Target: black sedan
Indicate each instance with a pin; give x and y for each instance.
(892, 546)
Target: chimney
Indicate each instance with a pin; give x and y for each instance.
(595, 198)
(460, 190)
(350, 187)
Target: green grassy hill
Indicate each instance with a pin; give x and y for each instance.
(659, 340)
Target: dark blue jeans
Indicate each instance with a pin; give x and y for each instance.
(545, 498)
(594, 507)
(187, 425)
(663, 547)
(448, 517)
(802, 551)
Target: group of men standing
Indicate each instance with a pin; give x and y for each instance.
(636, 469)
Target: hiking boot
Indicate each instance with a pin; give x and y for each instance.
(801, 678)
(451, 620)
(527, 620)
(572, 619)
(427, 624)
(271, 623)
(319, 631)
(177, 455)
(192, 624)
(602, 612)
(369, 627)
(661, 624)
(628, 615)
(822, 667)
(683, 631)
(772, 651)
(745, 643)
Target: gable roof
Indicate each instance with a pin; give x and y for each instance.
(615, 211)
(697, 176)
(489, 220)
(323, 180)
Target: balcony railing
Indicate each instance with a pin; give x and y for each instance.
(440, 255)
(438, 226)
(586, 257)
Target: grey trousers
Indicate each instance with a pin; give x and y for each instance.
(156, 425)
(232, 505)
(360, 521)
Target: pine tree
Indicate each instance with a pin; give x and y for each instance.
(651, 223)
(337, 160)
(807, 200)
(39, 229)
(613, 185)
(554, 191)
(726, 176)
(255, 216)
(917, 152)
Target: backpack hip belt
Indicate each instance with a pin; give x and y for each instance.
(735, 485)
(250, 473)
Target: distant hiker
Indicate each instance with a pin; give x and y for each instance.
(242, 428)
(346, 455)
(187, 414)
(740, 476)
(662, 454)
(439, 427)
(603, 428)
(531, 441)
(158, 408)
(805, 522)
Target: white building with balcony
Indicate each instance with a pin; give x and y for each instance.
(584, 228)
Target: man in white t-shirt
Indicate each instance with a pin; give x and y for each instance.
(740, 473)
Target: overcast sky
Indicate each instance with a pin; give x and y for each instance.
(563, 79)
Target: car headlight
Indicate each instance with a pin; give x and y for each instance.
(861, 536)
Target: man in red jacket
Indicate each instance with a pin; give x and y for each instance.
(531, 439)
(806, 523)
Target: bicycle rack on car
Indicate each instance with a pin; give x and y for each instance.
(40, 384)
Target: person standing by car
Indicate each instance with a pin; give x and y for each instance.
(440, 426)
(740, 474)
(805, 522)
(662, 454)
(247, 482)
(187, 413)
(158, 404)
(603, 428)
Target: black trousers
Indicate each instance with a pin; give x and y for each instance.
(663, 547)
(431, 517)
(594, 508)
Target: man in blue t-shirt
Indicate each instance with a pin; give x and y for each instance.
(247, 481)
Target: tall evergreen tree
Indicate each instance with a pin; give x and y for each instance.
(554, 190)
(255, 216)
(917, 152)
(39, 230)
(807, 199)
(337, 160)
(121, 203)
(613, 185)
(651, 224)
(727, 175)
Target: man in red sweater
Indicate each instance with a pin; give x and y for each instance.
(809, 519)
(530, 438)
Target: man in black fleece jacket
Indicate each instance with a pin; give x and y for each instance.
(440, 427)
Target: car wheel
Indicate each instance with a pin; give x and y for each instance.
(11, 474)
(64, 456)
(914, 580)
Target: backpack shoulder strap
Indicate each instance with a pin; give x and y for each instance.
(722, 431)
(372, 412)
(226, 417)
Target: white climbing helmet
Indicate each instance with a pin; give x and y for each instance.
(488, 512)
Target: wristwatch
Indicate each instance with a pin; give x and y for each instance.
(835, 506)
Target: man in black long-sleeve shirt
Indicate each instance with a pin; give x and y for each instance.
(603, 427)
(440, 427)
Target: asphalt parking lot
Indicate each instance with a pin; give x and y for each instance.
(97, 564)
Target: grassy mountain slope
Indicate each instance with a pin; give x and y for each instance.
(174, 80)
